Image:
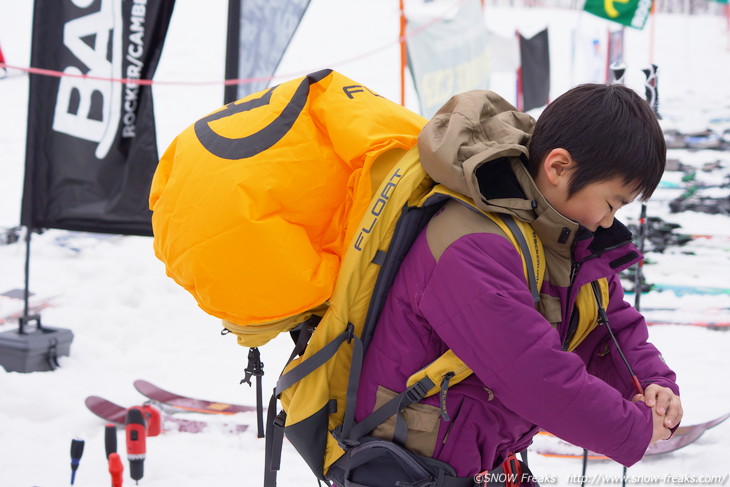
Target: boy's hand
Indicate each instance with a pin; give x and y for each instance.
(664, 403)
(660, 431)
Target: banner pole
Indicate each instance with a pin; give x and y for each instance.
(652, 31)
(233, 51)
(727, 18)
(518, 78)
(26, 293)
(402, 40)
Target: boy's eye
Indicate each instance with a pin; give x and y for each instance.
(610, 206)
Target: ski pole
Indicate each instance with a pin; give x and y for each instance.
(651, 88)
(77, 449)
(639, 276)
(603, 319)
(652, 97)
(116, 468)
(110, 439)
(618, 69)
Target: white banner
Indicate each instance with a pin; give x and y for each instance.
(449, 56)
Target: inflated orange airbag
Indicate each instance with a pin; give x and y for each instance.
(253, 204)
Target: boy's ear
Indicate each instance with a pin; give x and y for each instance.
(557, 166)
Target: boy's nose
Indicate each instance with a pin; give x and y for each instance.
(607, 221)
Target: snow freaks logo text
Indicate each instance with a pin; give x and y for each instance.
(104, 40)
(522, 478)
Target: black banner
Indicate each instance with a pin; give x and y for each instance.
(535, 56)
(259, 31)
(91, 149)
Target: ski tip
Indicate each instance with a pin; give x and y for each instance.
(93, 399)
(145, 387)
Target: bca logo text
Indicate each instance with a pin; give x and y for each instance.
(86, 108)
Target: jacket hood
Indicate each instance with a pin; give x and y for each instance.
(470, 130)
(476, 145)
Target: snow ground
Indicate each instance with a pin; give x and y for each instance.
(130, 321)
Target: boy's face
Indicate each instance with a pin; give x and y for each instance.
(594, 205)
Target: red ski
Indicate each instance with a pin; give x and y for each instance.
(114, 413)
(684, 436)
(158, 395)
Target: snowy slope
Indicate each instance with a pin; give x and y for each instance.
(130, 321)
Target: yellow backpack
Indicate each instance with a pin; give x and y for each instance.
(291, 210)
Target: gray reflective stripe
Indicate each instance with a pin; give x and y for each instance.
(311, 364)
(532, 280)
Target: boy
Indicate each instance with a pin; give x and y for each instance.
(462, 286)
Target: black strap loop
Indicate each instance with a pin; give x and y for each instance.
(274, 442)
(255, 368)
(358, 353)
(442, 395)
(531, 278)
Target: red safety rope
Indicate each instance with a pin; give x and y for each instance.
(236, 81)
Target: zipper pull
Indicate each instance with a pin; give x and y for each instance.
(602, 316)
(574, 270)
(442, 395)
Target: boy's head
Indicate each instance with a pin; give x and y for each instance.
(609, 131)
(593, 138)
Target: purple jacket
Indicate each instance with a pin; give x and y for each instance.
(472, 297)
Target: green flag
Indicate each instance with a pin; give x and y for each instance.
(632, 13)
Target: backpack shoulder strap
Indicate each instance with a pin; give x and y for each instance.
(459, 218)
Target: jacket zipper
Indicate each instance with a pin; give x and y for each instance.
(574, 268)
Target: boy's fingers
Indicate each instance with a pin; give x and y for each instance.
(650, 394)
(662, 402)
(659, 397)
(638, 398)
(651, 398)
(674, 413)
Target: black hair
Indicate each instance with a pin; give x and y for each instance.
(609, 131)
